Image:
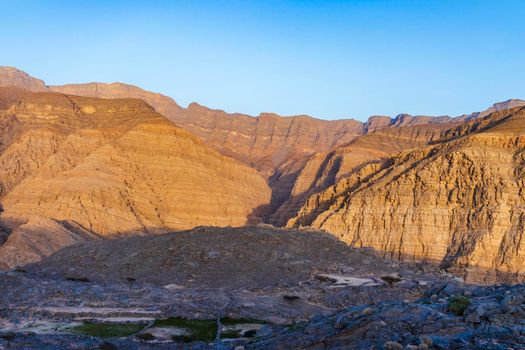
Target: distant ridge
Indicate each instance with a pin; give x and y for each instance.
(277, 147)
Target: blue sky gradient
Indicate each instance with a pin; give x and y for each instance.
(328, 59)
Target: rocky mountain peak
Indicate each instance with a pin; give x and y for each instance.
(11, 76)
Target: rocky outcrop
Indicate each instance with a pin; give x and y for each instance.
(115, 167)
(38, 238)
(208, 257)
(162, 104)
(496, 107)
(324, 169)
(459, 202)
(10, 76)
(266, 142)
(489, 318)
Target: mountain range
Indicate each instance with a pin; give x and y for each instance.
(85, 161)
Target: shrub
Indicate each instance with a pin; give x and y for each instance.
(106, 330)
(182, 338)
(457, 304)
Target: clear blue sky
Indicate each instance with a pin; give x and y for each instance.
(328, 59)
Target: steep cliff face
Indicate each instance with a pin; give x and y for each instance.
(115, 167)
(278, 147)
(496, 107)
(10, 76)
(162, 104)
(459, 202)
(324, 169)
(269, 141)
(297, 156)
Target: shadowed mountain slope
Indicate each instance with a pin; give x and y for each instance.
(324, 169)
(459, 202)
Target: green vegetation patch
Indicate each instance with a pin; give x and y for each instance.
(198, 330)
(457, 304)
(106, 330)
(233, 321)
(231, 334)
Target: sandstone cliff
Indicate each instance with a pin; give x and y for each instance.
(10, 76)
(115, 167)
(496, 107)
(459, 202)
(278, 147)
(324, 169)
(290, 153)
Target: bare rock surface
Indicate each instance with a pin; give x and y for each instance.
(253, 257)
(297, 156)
(458, 202)
(109, 167)
(349, 299)
(277, 147)
(38, 238)
(10, 76)
(418, 324)
(325, 169)
(266, 276)
(77, 171)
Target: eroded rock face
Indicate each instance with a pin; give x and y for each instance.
(496, 107)
(459, 202)
(277, 147)
(115, 167)
(324, 169)
(162, 104)
(10, 76)
(38, 238)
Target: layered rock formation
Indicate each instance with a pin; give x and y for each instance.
(114, 167)
(38, 238)
(452, 195)
(459, 202)
(10, 76)
(496, 107)
(326, 168)
(278, 147)
(162, 104)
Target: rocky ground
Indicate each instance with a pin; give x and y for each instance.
(254, 257)
(265, 289)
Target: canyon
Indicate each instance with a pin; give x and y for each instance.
(130, 222)
(277, 147)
